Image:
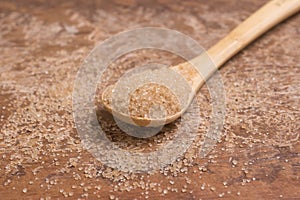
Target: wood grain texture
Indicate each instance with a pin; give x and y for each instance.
(41, 47)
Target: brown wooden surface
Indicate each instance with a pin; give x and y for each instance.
(41, 47)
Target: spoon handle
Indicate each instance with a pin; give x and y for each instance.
(258, 23)
(261, 21)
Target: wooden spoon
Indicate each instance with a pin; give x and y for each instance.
(258, 23)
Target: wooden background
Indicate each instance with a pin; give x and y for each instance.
(42, 44)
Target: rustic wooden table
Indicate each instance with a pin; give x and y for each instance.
(43, 44)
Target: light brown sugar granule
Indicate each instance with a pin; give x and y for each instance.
(153, 101)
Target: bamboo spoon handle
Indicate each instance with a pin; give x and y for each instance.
(265, 18)
(258, 23)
